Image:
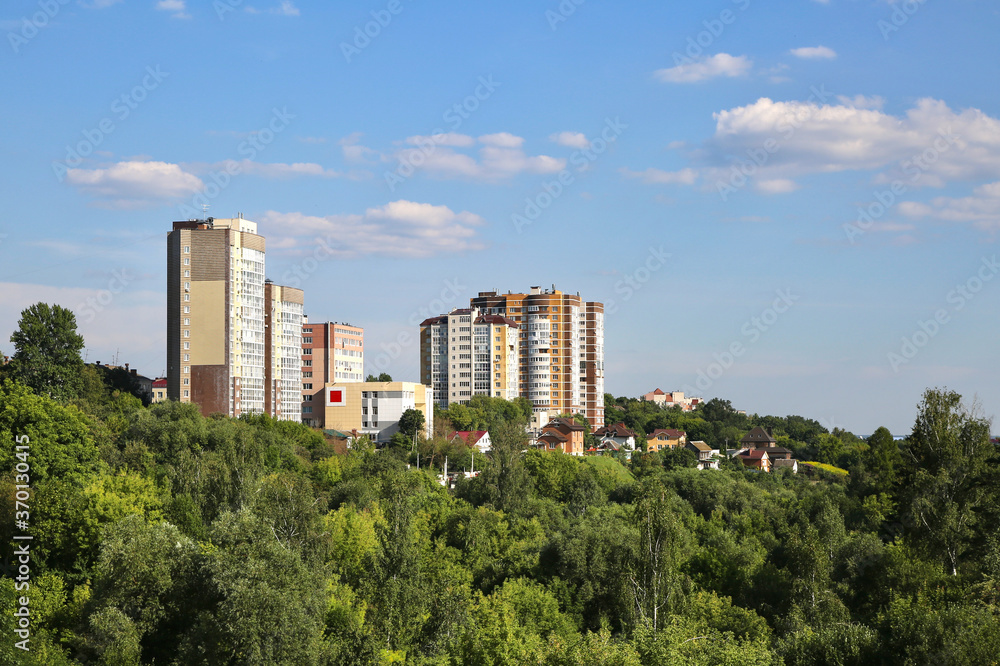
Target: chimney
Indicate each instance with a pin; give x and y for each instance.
(126, 367)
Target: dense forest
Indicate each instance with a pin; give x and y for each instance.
(160, 536)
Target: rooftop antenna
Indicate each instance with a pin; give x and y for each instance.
(204, 210)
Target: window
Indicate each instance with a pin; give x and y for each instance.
(187, 381)
(307, 386)
(187, 345)
(187, 368)
(187, 249)
(307, 330)
(187, 273)
(187, 285)
(187, 334)
(187, 322)
(187, 357)
(186, 394)
(307, 374)
(187, 297)
(187, 261)
(307, 362)
(308, 398)
(307, 341)
(307, 409)
(187, 309)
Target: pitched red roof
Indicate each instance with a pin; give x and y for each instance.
(753, 454)
(496, 319)
(468, 436)
(159, 383)
(671, 433)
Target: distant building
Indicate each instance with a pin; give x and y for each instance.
(332, 352)
(616, 438)
(708, 458)
(782, 463)
(159, 389)
(561, 434)
(221, 353)
(758, 438)
(467, 352)
(370, 408)
(671, 399)
(755, 459)
(480, 439)
(661, 439)
(561, 353)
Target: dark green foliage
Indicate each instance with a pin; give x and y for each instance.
(163, 537)
(47, 352)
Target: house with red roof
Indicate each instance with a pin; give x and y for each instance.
(755, 459)
(615, 438)
(561, 434)
(473, 438)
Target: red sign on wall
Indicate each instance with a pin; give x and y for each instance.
(336, 397)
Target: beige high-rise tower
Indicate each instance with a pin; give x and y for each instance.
(231, 343)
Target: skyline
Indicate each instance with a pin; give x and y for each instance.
(845, 269)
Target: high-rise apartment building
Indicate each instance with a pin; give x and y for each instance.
(283, 353)
(332, 352)
(230, 337)
(466, 353)
(561, 368)
(543, 345)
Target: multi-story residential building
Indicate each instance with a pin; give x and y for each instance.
(283, 353)
(466, 353)
(671, 399)
(561, 367)
(371, 408)
(331, 352)
(221, 354)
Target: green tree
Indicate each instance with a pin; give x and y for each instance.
(411, 422)
(47, 352)
(383, 377)
(949, 457)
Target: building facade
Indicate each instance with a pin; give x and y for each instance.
(371, 408)
(220, 351)
(332, 352)
(561, 368)
(466, 353)
(283, 353)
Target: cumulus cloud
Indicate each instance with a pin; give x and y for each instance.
(776, 186)
(135, 184)
(704, 68)
(398, 229)
(814, 53)
(176, 6)
(571, 140)
(500, 156)
(286, 8)
(981, 210)
(275, 170)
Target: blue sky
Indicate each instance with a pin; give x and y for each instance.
(698, 167)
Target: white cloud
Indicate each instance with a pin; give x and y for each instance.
(501, 155)
(814, 53)
(135, 184)
(776, 186)
(276, 169)
(571, 139)
(176, 6)
(982, 209)
(399, 229)
(660, 177)
(701, 69)
(286, 8)
(929, 145)
(354, 152)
